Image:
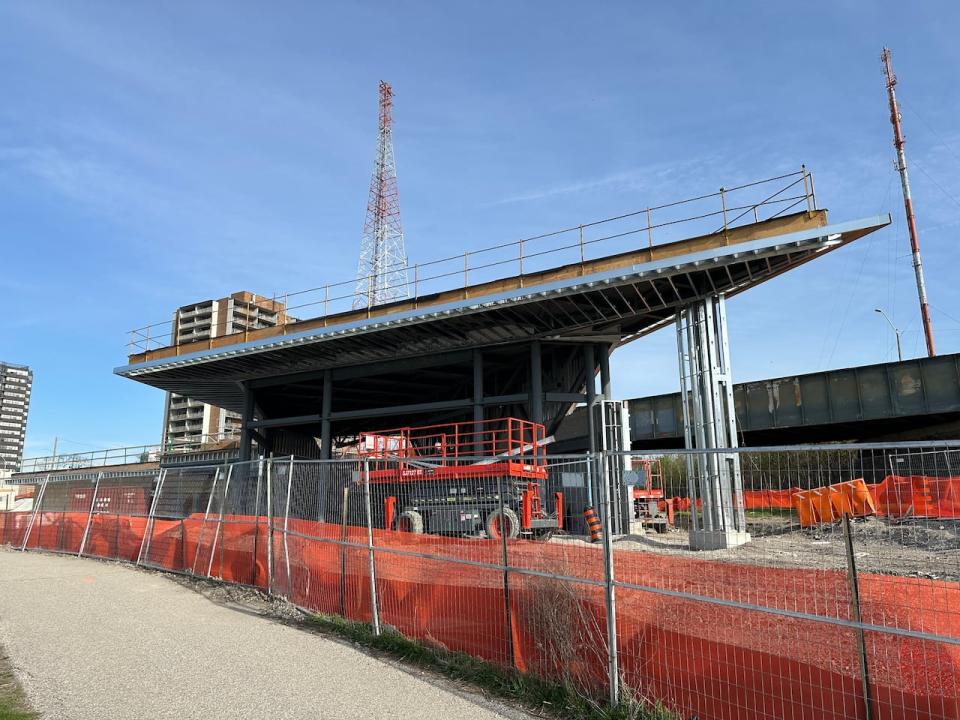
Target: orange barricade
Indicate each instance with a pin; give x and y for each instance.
(918, 496)
(828, 504)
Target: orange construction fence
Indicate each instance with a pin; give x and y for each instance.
(895, 497)
(695, 652)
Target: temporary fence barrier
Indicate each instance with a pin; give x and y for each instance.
(858, 618)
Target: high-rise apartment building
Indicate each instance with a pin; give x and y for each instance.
(16, 382)
(191, 424)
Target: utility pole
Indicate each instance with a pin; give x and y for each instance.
(908, 201)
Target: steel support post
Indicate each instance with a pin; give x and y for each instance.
(93, 502)
(736, 478)
(696, 378)
(590, 380)
(245, 436)
(325, 409)
(610, 596)
(374, 607)
(605, 386)
(536, 382)
(477, 400)
(682, 357)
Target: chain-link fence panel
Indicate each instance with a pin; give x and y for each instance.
(322, 560)
(118, 515)
(15, 521)
(61, 514)
(178, 525)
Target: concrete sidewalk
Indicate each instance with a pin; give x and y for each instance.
(96, 640)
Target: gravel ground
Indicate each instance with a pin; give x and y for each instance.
(913, 548)
(91, 639)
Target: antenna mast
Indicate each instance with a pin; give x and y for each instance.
(908, 201)
(382, 271)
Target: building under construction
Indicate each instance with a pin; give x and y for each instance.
(526, 339)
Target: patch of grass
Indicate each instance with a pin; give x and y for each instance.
(13, 703)
(557, 699)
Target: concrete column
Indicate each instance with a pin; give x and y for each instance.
(326, 440)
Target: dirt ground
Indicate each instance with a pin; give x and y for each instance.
(910, 548)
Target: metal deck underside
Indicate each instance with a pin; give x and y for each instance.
(617, 305)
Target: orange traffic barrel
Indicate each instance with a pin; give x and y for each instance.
(593, 522)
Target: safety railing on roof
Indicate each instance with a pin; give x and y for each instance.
(131, 455)
(712, 213)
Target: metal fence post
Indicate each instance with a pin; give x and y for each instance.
(86, 529)
(855, 612)
(374, 610)
(203, 525)
(148, 528)
(609, 583)
(219, 530)
(37, 502)
(269, 528)
(256, 513)
(507, 610)
(286, 526)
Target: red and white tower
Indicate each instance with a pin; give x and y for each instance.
(382, 271)
(908, 201)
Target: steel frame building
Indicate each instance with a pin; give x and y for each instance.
(528, 346)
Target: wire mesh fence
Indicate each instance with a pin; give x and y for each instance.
(842, 600)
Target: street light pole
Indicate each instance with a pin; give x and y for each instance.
(896, 331)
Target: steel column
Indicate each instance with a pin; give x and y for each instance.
(477, 357)
(245, 436)
(326, 452)
(605, 389)
(591, 389)
(536, 382)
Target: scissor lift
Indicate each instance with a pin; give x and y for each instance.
(449, 479)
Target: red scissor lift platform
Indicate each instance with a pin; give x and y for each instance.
(448, 479)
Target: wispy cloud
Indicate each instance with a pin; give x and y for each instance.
(628, 180)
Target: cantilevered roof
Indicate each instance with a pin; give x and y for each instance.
(619, 297)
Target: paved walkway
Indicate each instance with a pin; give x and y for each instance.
(96, 640)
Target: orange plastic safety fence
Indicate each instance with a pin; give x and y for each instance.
(699, 657)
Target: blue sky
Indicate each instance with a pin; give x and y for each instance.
(153, 154)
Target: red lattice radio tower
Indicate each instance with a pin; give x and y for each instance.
(382, 271)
